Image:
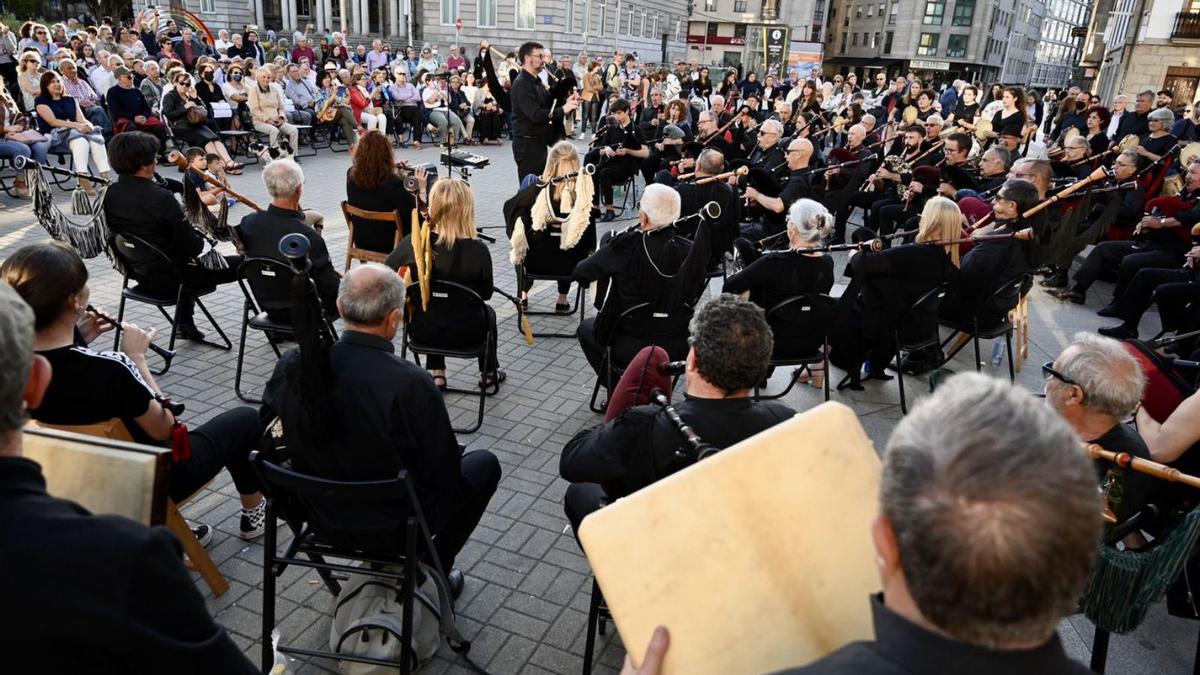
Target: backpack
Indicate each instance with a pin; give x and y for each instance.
(367, 621)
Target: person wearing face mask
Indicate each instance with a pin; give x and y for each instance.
(176, 104)
(236, 93)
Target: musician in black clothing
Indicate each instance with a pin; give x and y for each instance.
(136, 607)
(885, 180)
(795, 270)
(731, 345)
(644, 265)
(373, 183)
(774, 208)
(768, 154)
(883, 285)
(1158, 242)
(695, 195)
(368, 414)
(458, 256)
(621, 149)
(1095, 384)
(552, 226)
(842, 184)
(990, 263)
(1136, 122)
(1173, 290)
(894, 217)
(136, 205)
(666, 144)
(532, 113)
(1119, 210)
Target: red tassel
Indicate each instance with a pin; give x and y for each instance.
(181, 445)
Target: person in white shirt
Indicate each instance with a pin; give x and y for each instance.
(101, 77)
(1118, 112)
(440, 114)
(222, 44)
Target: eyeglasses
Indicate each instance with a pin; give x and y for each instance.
(1048, 372)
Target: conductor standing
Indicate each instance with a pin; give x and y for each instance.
(533, 112)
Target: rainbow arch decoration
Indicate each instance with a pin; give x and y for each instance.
(182, 18)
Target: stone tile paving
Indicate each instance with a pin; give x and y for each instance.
(526, 600)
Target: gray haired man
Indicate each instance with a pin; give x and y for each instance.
(261, 231)
(1095, 383)
(385, 415)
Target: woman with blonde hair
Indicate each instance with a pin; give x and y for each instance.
(557, 224)
(458, 256)
(884, 286)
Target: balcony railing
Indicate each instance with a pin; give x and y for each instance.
(1187, 26)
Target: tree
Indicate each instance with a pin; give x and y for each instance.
(117, 9)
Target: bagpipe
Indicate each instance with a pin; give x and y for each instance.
(213, 227)
(1163, 207)
(1101, 173)
(84, 228)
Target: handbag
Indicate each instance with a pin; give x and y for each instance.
(197, 115)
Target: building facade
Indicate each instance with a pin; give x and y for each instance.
(729, 32)
(1060, 45)
(940, 40)
(655, 29)
(1144, 45)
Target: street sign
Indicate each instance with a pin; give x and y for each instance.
(458, 23)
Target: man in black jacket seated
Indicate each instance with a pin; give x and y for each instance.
(98, 594)
(968, 585)
(731, 346)
(138, 206)
(990, 263)
(621, 151)
(260, 232)
(385, 415)
(693, 197)
(648, 265)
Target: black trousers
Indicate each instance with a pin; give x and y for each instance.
(224, 442)
(488, 125)
(624, 347)
(481, 473)
(1122, 259)
(530, 156)
(610, 173)
(1172, 289)
(581, 500)
(408, 116)
(195, 279)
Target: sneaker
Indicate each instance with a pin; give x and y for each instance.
(203, 534)
(254, 521)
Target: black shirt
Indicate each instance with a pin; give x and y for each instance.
(638, 447)
(531, 108)
(1013, 123)
(376, 235)
(385, 414)
(904, 648)
(1131, 490)
(723, 230)
(139, 207)
(90, 387)
(261, 231)
(965, 113)
(780, 275)
(132, 610)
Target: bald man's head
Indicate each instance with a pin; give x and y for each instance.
(856, 134)
(799, 152)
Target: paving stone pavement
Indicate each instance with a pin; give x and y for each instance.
(526, 598)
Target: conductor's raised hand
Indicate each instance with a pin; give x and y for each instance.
(653, 659)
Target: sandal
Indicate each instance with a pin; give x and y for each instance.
(492, 379)
(439, 381)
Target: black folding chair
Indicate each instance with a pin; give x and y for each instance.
(298, 498)
(131, 253)
(450, 294)
(656, 327)
(266, 285)
(997, 303)
(800, 319)
(525, 276)
(917, 329)
(597, 621)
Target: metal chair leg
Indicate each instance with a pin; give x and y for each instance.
(900, 377)
(268, 601)
(589, 648)
(237, 377)
(1099, 650)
